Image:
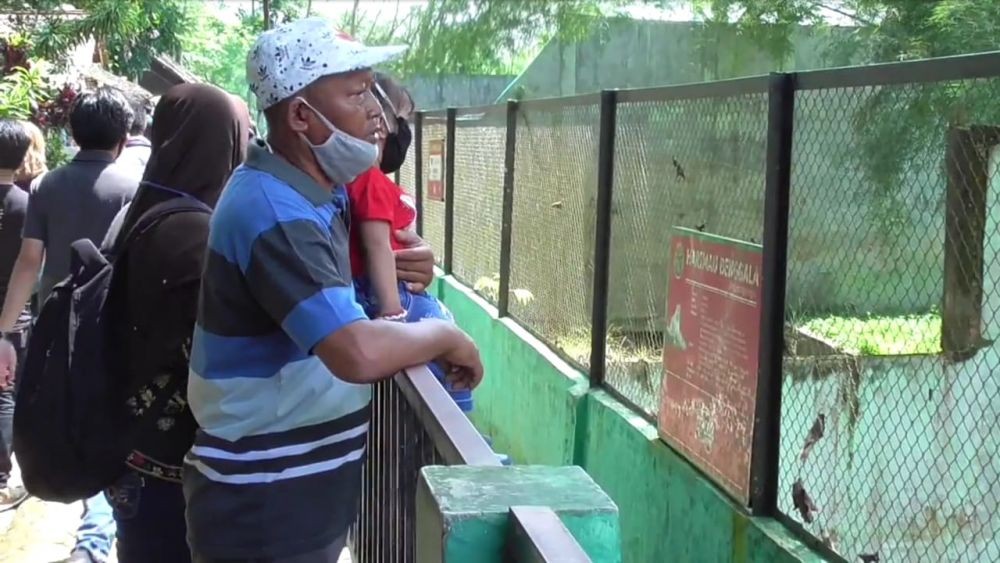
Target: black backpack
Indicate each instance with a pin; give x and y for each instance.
(71, 430)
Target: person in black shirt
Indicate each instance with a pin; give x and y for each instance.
(14, 143)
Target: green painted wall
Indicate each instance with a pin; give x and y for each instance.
(541, 411)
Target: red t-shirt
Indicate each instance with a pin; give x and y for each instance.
(375, 197)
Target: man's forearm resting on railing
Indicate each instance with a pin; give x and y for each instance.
(368, 351)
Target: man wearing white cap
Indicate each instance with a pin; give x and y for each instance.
(282, 355)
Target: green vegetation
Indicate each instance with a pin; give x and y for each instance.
(621, 349)
(897, 125)
(128, 34)
(880, 336)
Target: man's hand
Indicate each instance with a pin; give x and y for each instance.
(8, 364)
(465, 367)
(415, 262)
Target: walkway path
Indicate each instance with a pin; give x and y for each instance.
(43, 532)
(38, 532)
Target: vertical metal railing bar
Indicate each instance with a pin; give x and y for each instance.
(392, 494)
(602, 236)
(406, 489)
(449, 193)
(377, 513)
(764, 460)
(418, 169)
(507, 213)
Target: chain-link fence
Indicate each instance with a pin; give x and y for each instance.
(433, 162)
(891, 438)
(553, 221)
(867, 200)
(695, 163)
(480, 138)
(408, 173)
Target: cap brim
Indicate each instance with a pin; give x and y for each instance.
(374, 56)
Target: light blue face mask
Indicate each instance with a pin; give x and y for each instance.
(342, 157)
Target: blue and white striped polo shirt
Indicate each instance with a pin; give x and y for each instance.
(276, 467)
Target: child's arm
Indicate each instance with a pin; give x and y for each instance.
(380, 265)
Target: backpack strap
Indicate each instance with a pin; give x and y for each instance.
(155, 214)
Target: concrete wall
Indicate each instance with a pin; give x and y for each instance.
(539, 410)
(638, 54)
(720, 145)
(446, 90)
(907, 466)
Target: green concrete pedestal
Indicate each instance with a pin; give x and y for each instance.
(463, 511)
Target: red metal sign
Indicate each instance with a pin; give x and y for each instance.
(710, 359)
(435, 171)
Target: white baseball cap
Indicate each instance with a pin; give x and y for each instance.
(290, 57)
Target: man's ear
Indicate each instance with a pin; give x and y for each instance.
(297, 116)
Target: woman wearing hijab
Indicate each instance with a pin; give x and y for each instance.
(199, 137)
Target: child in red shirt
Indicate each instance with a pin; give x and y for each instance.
(379, 207)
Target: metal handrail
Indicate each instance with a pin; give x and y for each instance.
(453, 435)
(537, 535)
(415, 423)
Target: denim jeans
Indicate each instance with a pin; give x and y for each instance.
(149, 513)
(418, 306)
(96, 533)
(7, 416)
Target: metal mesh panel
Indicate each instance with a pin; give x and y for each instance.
(480, 142)
(555, 179)
(894, 226)
(695, 163)
(433, 220)
(407, 173)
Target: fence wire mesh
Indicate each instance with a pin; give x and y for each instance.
(890, 405)
(408, 172)
(890, 402)
(434, 131)
(696, 163)
(552, 241)
(480, 142)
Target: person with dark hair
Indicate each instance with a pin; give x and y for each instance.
(137, 147)
(199, 137)
(73, 202)
(14, 144)
(100, 121)
(283, 356)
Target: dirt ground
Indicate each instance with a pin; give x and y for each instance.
(38, 532)
(43, 532)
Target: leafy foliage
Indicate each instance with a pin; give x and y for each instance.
(216, 52)
(130, 34)
(897, 125)
(22, 92)
(888, 30)
(478, 37)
